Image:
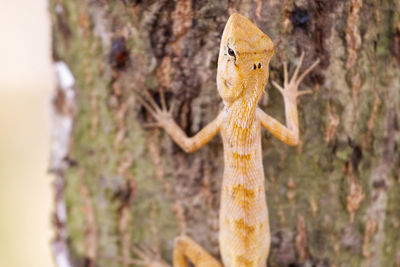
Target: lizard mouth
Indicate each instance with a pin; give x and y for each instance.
(228, 84)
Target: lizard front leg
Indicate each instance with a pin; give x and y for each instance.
(289, 134)
(186, 249)
(164, 119)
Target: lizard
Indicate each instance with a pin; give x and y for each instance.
(242, 74)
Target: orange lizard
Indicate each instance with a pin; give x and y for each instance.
(244, 56)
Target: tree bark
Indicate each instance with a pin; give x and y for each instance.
(333, 200)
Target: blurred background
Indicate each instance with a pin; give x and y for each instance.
(26, 83)
(68, 72)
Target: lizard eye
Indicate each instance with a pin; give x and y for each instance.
(231, 52)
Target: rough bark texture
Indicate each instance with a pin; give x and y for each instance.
(333, 200)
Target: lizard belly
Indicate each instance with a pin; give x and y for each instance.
(244, 235)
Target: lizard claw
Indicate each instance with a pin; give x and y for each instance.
(277, 86)
(289, 88)
(304, 92)
(160, 114)
(151, 125)
(148, 258)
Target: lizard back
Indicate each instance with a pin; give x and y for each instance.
(244, 227)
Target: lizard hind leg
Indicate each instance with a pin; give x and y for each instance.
(186, 249)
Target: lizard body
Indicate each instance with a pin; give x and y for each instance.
(244, 234)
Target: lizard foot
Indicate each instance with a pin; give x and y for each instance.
(147, 258)
(162, 114)
(289, 88)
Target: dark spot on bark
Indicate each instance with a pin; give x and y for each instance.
(379, 184)
(334, 146)
(396, 44)
(124, 192)
(132, 2)
(119, 54)
(356, 155)
(300, 18)
(70, 161)
(88, 262)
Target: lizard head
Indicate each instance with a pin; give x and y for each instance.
(243, 60)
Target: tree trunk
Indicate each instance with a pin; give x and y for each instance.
(333, 200)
